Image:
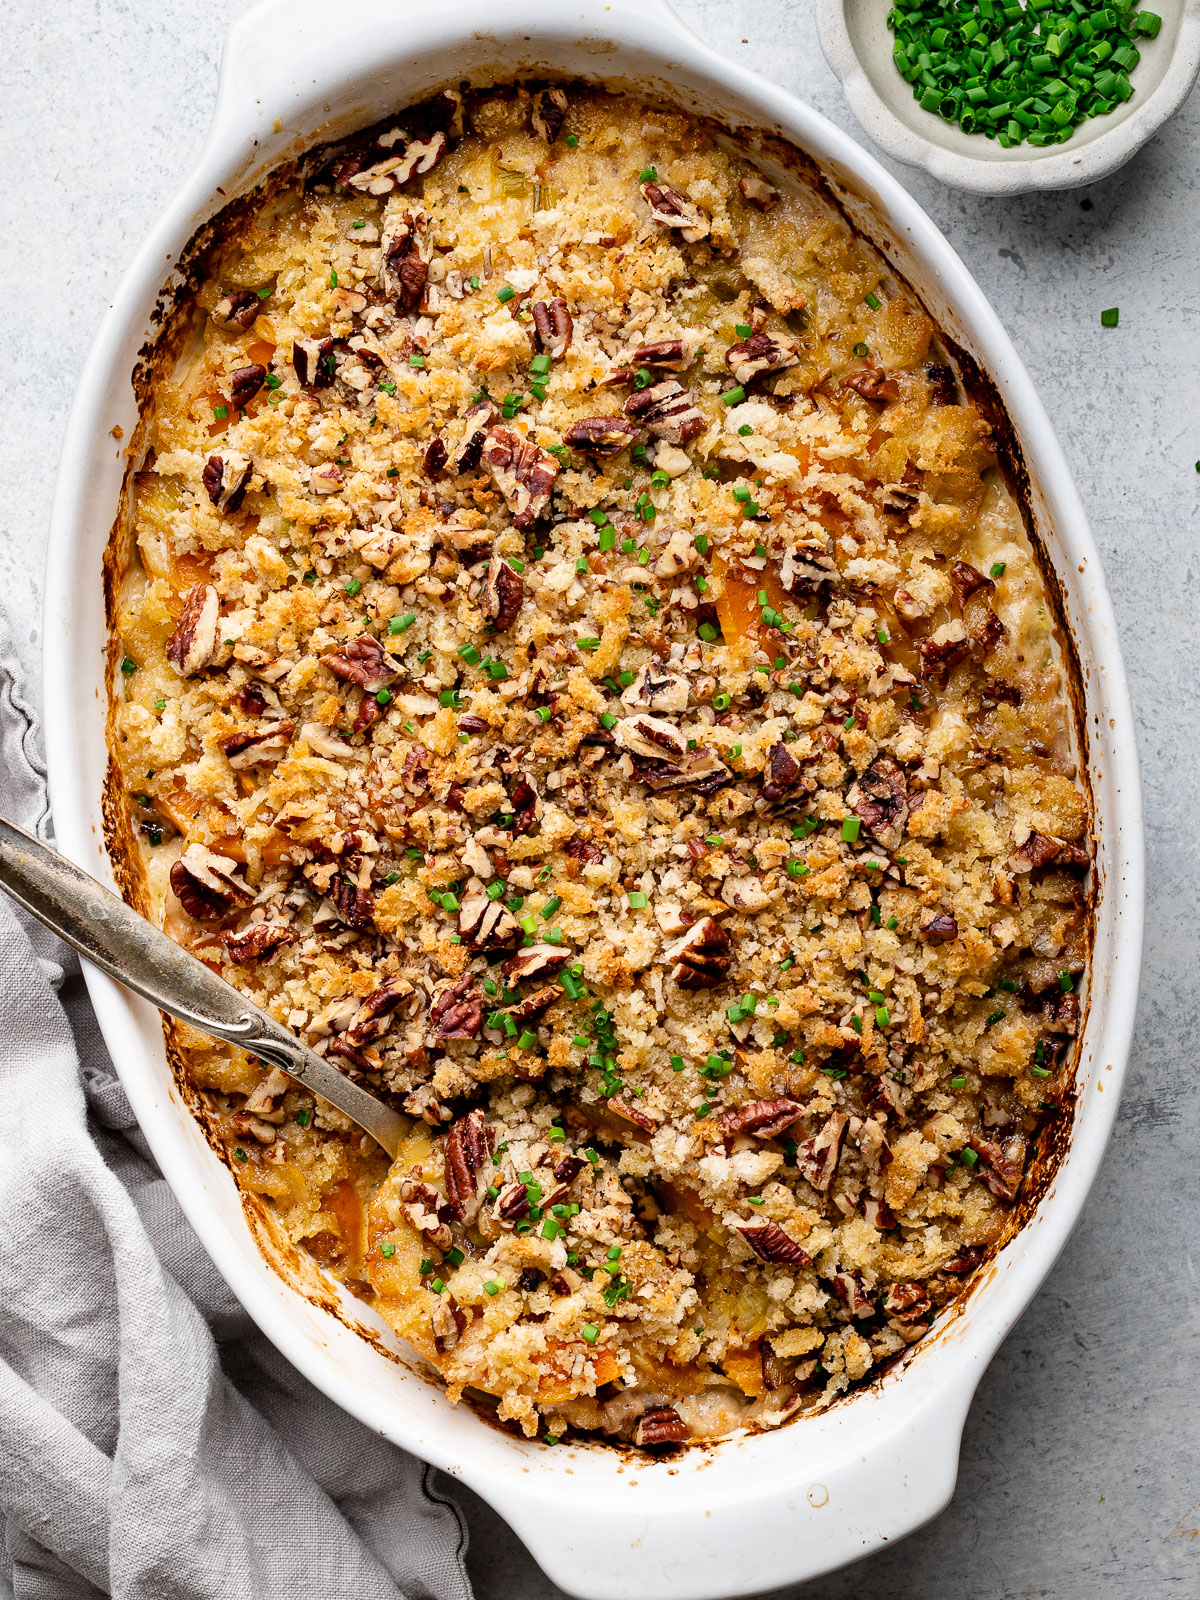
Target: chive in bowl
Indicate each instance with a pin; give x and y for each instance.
(859, 47)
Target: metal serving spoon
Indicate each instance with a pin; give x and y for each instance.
(113, 937)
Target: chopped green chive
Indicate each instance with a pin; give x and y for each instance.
(1110, 318)
(505, 293)
(648, 175)
(401, 624)
(850, 827)
(998, 568)
(735, 396)
(637, 899)
(873, 301)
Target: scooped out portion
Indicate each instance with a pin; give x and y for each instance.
(582, 669)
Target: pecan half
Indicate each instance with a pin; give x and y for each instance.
(524, 473)
(872, 384)
(879, 798)
(502, 595)
(205, 885)
(485, 924)
(457, 1013)
(363, 661)
(700, 956)
(765, 1119)
(194, 641)
(548, 113)
(758, 191)
(769, 1241)
(654, 738)
(817, 1158)
(253, 747)
(535, 959)
(938, 927)
(661, 1426)
(670, 209)
(468, 1150)
(226, 477)
(259, 942)
(552, 326)
(374, 1017)
(781, 773)
(668, 411)
(312, 362)
(237, 312)
(760, 355)
(601, 436)
(1002, 1167)
(244, 384)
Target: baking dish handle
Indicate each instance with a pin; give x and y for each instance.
(661, 1538)
(276, 51)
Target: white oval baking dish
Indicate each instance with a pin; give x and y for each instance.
(753, 1513)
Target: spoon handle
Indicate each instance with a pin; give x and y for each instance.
(120, 942)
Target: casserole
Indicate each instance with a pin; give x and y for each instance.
(866, 1471)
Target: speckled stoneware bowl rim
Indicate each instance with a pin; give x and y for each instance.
(1026, 170)
(752, 1512)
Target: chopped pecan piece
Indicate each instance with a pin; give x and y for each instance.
(943, 385)
(403, 269)
(1040, 850)
(806, 566)
(601, 436)
(253, 747)
(758, 191)
(968, 580)
(435, 457)
(457, 1013)
(878, 1214)
(365, 662)
(582, 849)
(468, 1151)
(568, 1169)
(967, 1259)
(879, 798)
(1002, 1166)
(552, 327)
(668, 411)
(487, 924)
(629, 1112)
(447, 1320)
(394, 171)
(769, 1241)
(661, 1426)
(312, 361)
(258, 942)
(237, 312)
(765, 1119)
(533, 1005)
(760, 355)
(907, 1303)
(524, 807)
(658, 689)
(353, 904)
(468, 453)
(375, 1016)
(945, 647)
(938, 927)
(701, 957)
(326, 480)
(652, 737)
(848, 1287)
(1062, 1011)
(670, 209)
(244, 384)
(419, 1208)
(226, 477)
(534, 959)
(817, 1158)
(424, 1103)
(523, 471)
(548, 113)
(873, 384)
(512, 1203)
(502, 595)
(667, 355)
(205, 884)
(782, 772)
(194, 641)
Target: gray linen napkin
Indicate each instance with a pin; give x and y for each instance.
(153, 1445)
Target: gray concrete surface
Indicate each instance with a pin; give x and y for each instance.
(1080, 1478)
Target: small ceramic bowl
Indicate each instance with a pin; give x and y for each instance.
(858, 46)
